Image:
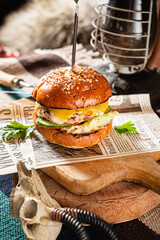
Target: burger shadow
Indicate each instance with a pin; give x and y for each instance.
(45, 151)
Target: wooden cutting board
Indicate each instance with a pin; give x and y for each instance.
(88, 177)
(116, 203)
(98, 186)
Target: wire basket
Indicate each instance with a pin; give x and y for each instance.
(124, 33)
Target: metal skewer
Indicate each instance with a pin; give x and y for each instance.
(75, 34)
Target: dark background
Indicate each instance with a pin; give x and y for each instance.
(8, 6)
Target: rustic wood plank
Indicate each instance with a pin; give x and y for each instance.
(88, 177)
(116, 203)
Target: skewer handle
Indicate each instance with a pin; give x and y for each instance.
(7, 79)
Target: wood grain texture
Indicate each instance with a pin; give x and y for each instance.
(116, 203)
(89, 177)
(7, 79)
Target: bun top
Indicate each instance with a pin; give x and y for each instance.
(67, 89)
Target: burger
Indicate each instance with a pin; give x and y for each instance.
(72, 107)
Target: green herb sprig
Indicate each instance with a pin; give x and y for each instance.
(126, 127)
(16, 130)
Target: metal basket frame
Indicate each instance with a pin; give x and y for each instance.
(97, 40)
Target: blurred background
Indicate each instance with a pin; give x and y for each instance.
(29, 24)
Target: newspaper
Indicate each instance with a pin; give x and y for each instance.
(38, 153)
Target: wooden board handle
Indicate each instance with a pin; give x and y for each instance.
(146, 172)
(7, 79)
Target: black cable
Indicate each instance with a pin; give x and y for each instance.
(73, 218)
(64, 217)
(94, 220)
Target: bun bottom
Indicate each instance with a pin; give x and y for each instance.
(72, 141)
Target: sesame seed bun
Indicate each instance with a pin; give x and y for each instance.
(64, 89)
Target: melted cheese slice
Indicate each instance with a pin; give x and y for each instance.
(60, 116)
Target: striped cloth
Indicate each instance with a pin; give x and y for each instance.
(30, 68)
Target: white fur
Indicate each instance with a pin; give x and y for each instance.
(46, 24)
